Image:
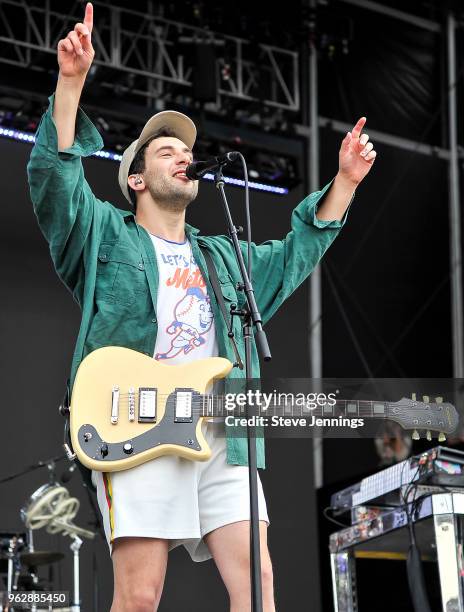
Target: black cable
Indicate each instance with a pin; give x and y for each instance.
(415, 573)
(247, 212)
(32, 468)
(331, 518)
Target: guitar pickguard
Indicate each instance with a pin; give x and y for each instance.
(166, 432)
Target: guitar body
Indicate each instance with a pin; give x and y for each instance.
(127, 408)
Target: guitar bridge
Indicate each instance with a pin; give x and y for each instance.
(115, 405)
(131, 405)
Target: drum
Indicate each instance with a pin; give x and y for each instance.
(48, 503)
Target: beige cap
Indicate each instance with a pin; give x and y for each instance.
(180, 124)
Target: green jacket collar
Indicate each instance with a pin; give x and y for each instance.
(129, 215)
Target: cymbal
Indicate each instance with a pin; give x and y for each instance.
(40, 557)
(33, 559)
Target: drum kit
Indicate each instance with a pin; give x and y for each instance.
(52, 508)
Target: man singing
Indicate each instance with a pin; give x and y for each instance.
(141, 281)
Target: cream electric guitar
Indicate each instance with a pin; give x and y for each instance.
(127, 408)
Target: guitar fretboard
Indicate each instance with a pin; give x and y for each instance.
(220, 405)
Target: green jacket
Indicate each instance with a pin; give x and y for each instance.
(108, 263)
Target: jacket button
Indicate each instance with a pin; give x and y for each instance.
(141, 266)
(153, 320)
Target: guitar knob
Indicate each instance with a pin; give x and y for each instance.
(441, 437)
(415, 435)
(429, 435)
(104, 449)
(426, 399)
(439, 400)
(128, 448)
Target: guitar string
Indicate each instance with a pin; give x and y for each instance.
(218, 401)
(204, 408)
(414, 403)
(201, 405)
(362, 407)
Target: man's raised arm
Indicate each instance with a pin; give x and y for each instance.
(68, 213)
(279, 266)
(75, 56)
(355, 159)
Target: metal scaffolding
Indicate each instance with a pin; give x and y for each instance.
(153, 48)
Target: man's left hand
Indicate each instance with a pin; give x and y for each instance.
(356, 156)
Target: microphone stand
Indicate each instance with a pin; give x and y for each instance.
(250, 316)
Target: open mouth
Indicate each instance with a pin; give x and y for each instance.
(181, 175)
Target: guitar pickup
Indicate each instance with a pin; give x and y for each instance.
(183, 412)
(147, 404)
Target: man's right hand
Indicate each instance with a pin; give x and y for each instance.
(75, 52)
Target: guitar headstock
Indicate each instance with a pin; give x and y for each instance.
(438, 416)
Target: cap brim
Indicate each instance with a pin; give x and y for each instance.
(180, 124)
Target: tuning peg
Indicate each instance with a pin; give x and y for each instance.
(441, 437)
(439, 400)
(429, 435)
(413, 397)
(426, 399)
(415, 435)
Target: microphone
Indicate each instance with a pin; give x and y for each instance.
(197, 169)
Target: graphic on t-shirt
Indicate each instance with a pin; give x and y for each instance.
(185, 319)
(192, 319)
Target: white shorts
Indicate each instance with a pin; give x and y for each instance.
(177, 499)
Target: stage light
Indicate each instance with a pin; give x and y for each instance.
(30, 138)
(252, 184)
(17, 135)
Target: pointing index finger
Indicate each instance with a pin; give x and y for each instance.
(356, 132)
(88, 18)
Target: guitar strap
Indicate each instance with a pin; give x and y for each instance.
(213, 277)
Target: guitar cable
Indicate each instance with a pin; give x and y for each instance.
(414, 567)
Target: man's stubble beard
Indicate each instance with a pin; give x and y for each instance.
(168, 195)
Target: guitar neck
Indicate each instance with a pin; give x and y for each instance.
(220, 405)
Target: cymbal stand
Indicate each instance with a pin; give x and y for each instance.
(14, 544)
(75, 546)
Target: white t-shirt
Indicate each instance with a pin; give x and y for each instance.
(186, 330)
